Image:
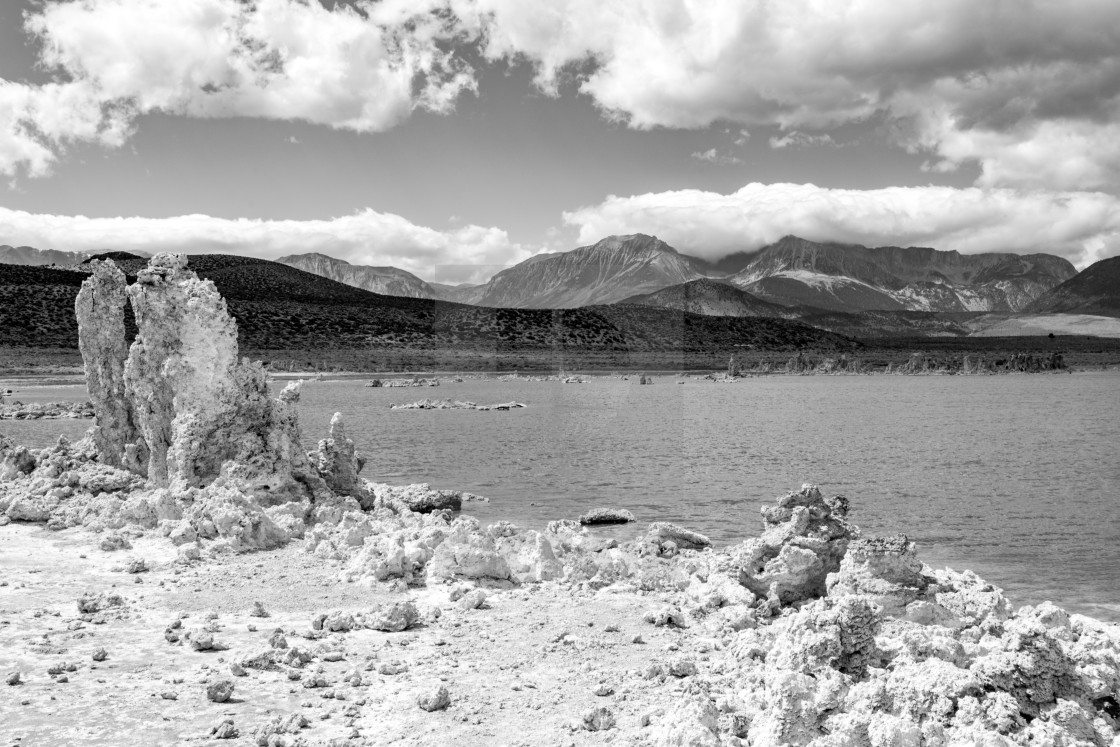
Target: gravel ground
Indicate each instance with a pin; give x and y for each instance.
(523, 669)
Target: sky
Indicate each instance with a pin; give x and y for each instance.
(453, 138)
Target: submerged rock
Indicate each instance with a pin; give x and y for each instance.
(448, 404)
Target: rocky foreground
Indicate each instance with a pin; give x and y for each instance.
(186, 574)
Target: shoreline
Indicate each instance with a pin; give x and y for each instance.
(662, 645)
(310, 377)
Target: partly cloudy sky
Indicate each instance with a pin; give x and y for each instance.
(452, 137)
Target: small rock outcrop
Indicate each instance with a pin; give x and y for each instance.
(337, 461)
(804, 539)
(666, 539)
(884, 570)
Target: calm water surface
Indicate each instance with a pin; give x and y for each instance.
(1015, 477)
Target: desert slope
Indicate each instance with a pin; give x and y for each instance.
(849, 277)
(388, 281)
(710, 298)
(1094, 290)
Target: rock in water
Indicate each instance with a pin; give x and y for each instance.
(607, 516)
(101, 339)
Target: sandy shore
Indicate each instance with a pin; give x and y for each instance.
(520, 671)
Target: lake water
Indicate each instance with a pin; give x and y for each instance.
(1015, 477)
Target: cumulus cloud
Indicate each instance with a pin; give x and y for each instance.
(465, 254)
(363, 67)
(997, 83)
(1029, 90)
(801, 140)
(1081, 226)
(712, 155)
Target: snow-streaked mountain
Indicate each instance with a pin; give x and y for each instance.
(1094, 290)
(30, 256)
(615, 268)
(850, 277)
(388, 281)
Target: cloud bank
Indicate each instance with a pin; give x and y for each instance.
(1029, 90)
(1080, 226)
(465, 254)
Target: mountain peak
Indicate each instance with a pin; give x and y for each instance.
(293, 258)
(633, 242)
(609, 270)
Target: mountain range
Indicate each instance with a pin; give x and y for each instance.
(30, 256)
(838, 286)
(795, 272)
(850, 277)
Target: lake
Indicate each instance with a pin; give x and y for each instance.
(1016, 477)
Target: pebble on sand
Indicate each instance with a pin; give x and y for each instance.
(219, 691)
(435, 700)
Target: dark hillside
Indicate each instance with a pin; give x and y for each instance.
(281, 307)
(1094, 290)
